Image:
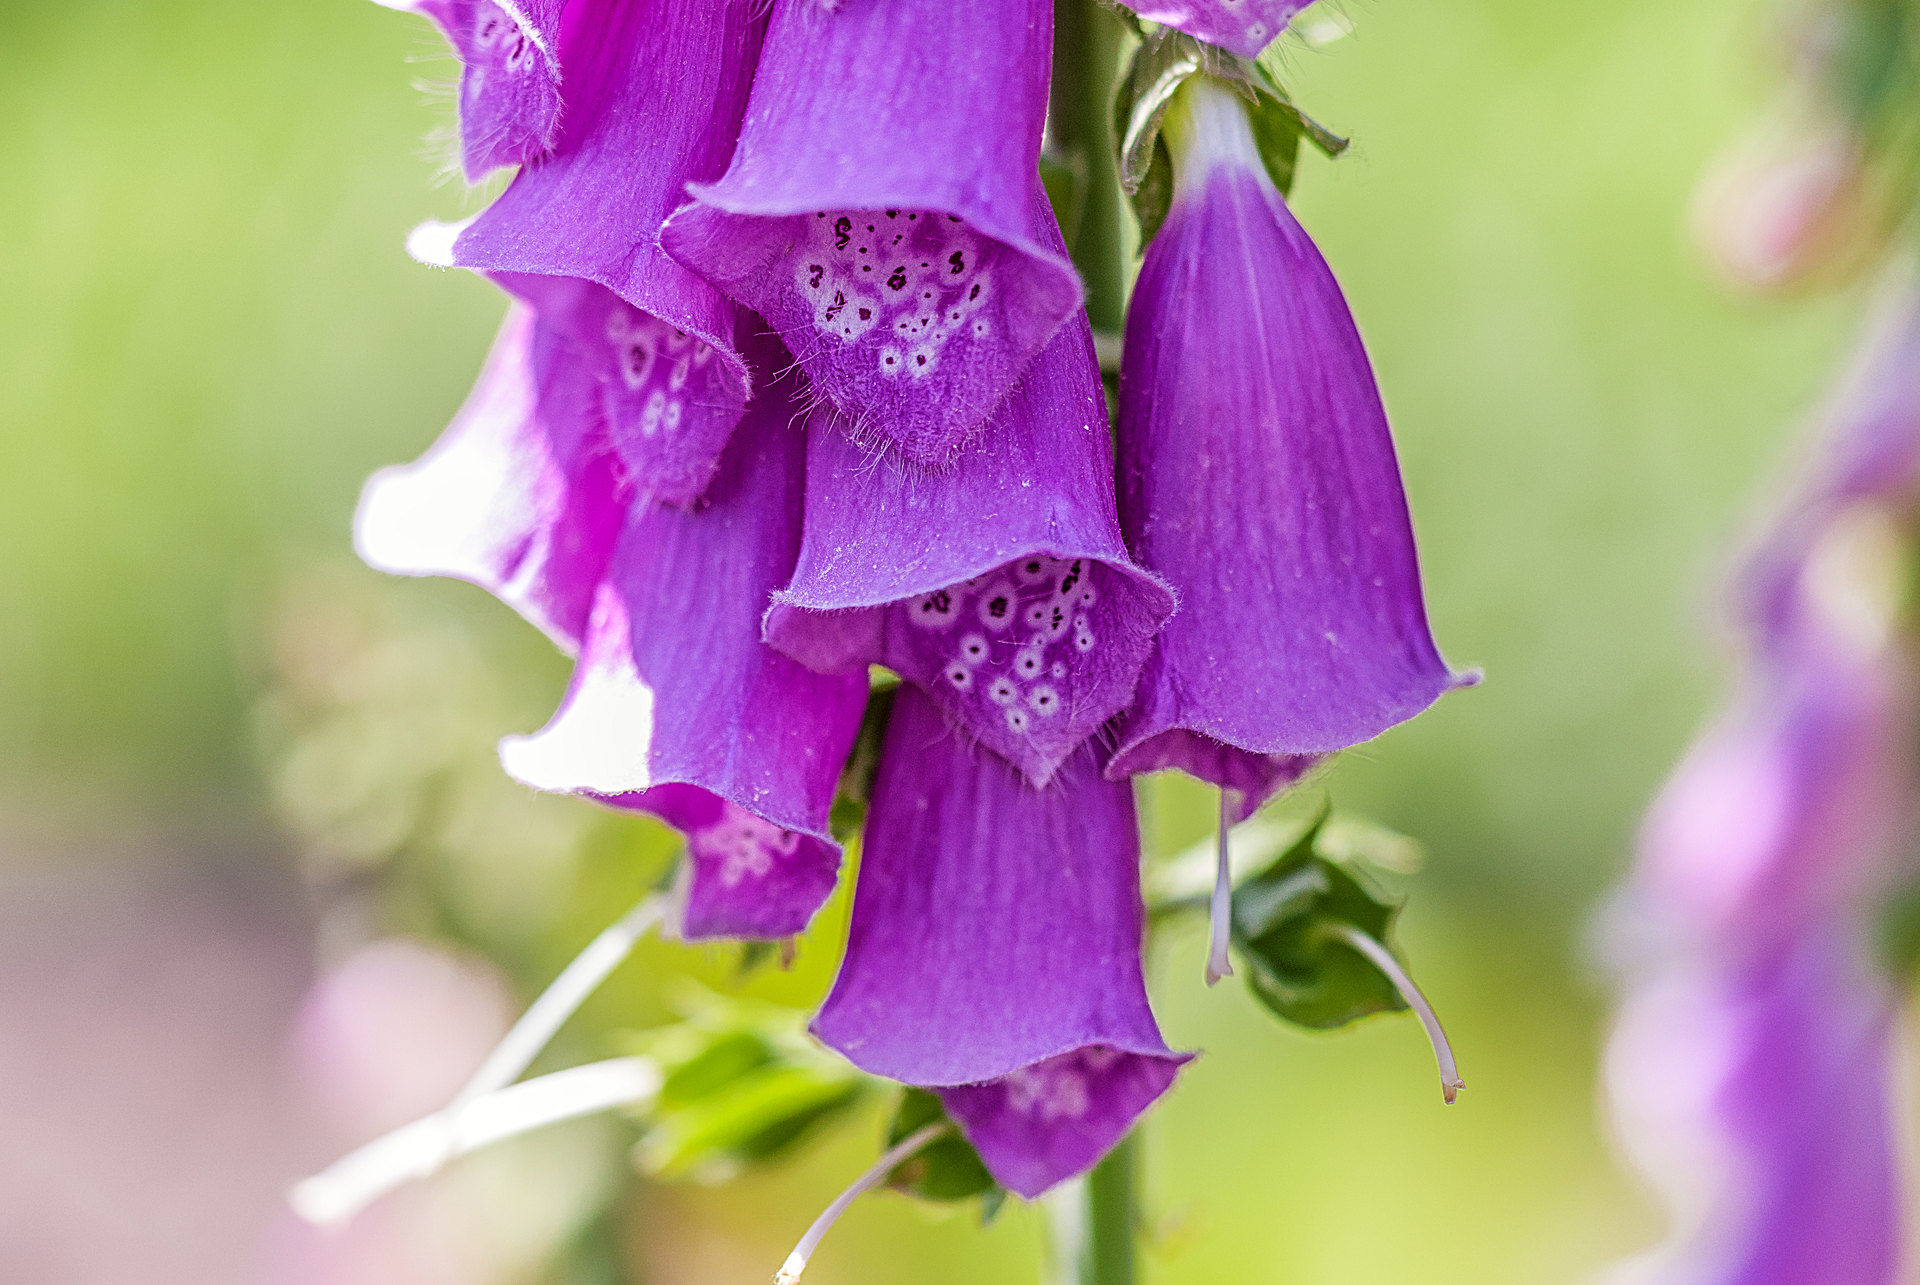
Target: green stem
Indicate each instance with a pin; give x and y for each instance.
(1096, 1223)
(1096, 1220)
(1086, 62)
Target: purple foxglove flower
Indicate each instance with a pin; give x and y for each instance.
(1000, 586)
(1258, 476)
(1870, 457)
(1785, 811)
(994, 953)
(1759, 1099)
(654, 95)
(510, 88)
(884, 209)
(519, 494)
(1244, 26)
(675, 697)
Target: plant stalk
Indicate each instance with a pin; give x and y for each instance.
(1095, 1220)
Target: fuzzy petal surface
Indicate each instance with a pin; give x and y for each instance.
(510, 95)
(675, 688)
(1000, 585)
(994, 951)
(1258, 477)
(884, 211)
(1244, 26)
(654, 96)
(519, 495)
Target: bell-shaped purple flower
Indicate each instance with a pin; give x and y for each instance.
(1244, 26)
(519, 495)
(884, 209)
(1001, 586)
(1759, 1099)
(994, 953)
(1258, 477)
(654, 96)
(677, 707)
(510, 99)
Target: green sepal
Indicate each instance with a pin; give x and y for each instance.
(1283, 924)
(945, 1171)
(1163, 62)
(740, 1083)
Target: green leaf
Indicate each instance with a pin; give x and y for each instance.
(752, 1117)
(947, 1170)
(1286, 923)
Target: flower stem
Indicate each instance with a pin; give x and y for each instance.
(422, 1148)
(544, 1018)
(1086, 61)
(901, 1152)
(1095, 1222)
(1382, 958)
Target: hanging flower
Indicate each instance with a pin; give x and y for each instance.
(675, 692)
(510, 99)
(1000, 586)
(654, 95)
(884, 210)
(994, 952)
(1258, 477)
(519, 495)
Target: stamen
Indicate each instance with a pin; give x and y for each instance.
(907, 1148)
(1382, 958)
(1220, 916)
(422, 1148)
(560, 1001)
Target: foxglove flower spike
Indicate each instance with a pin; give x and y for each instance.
(994, 953)
(884, 209)
(1258, 476)
(520, 494)
(1001, 587)
(677, 708)
(655, 92)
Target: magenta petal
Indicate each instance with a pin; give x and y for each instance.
(995, 944)
(744, 877)
(1000, 586)
(884, 211)
(510, 100)
(1258, 477)
(1244, 26)
(654, 95)
(518, 496)
(1767, 1089)
(675, 688)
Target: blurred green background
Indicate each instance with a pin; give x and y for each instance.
(210, 334)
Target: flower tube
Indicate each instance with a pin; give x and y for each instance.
(654, 95)
(994, 953)
(1001, 586)
(677, 708)
(519, 495)
(884, 209)
(510, 98)
(1257, 475)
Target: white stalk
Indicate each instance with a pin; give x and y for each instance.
(561, 1000)
(422, 1148)
(1382, 959)
(908, 1147)
(1220, 910)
